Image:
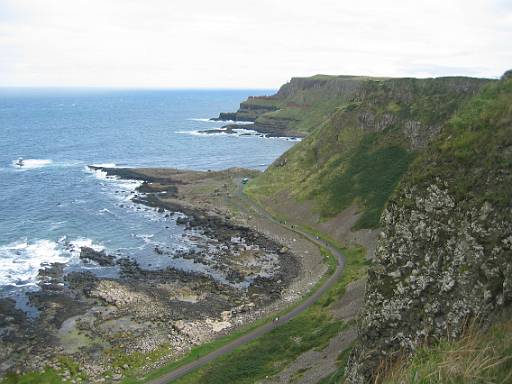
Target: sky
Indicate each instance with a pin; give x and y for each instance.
(247, 43)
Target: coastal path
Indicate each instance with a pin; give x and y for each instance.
(267, 327)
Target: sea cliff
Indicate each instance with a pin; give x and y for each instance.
(444, 257)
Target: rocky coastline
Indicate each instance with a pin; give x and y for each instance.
(264, 130)
(96, 322)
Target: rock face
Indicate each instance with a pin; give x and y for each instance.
(444, 257)
(250, 109)
(99, 257)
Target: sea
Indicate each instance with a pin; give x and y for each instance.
(54, 204)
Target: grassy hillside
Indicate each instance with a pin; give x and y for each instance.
(360, 153)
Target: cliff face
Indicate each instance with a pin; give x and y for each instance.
(298, 107)
(358, 155)
(251, 109)
(445, 253)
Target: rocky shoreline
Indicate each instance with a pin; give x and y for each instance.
(262, 129)
(156, 315)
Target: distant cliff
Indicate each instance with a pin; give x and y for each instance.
(444, 257)
(300, 106)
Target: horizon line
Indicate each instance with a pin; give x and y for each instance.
(133, 88)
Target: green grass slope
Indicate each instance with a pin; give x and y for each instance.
(359, 154)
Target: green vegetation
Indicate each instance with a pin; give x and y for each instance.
(474, 148)
(360, 153)
(476, 358)
(302, 104)
(272, 352)
(48, 375)
(195, 353)
(302, 117)
(134, 361)
(370, 176)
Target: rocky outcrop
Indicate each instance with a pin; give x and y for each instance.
(444, 257)
(438, 265)
(99, 257)
(250, 109)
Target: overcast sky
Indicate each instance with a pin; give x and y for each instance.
(247, 43)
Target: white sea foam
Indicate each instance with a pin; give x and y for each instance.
(20, 261)
(237, 132)
(29, 164)
(104, 165)
(57, 225)
(99, 173)
(286, 138)
(32, 163)
(203, 120)
(145, 237)
(222, 121)
(237, 122)
(221, 132)
(84, 242)
(125, 185)
(199, 133)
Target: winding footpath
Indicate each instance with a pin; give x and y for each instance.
(265, 328)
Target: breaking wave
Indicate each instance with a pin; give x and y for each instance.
(21, 261)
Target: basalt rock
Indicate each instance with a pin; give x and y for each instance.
(99, 257)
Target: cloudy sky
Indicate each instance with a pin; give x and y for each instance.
(249, 43)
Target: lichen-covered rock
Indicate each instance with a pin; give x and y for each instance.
(445, 254)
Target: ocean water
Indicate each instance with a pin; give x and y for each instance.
(54, 205)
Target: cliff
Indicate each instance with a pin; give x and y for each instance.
(357, 156)
(300, 105)
(444, 257)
